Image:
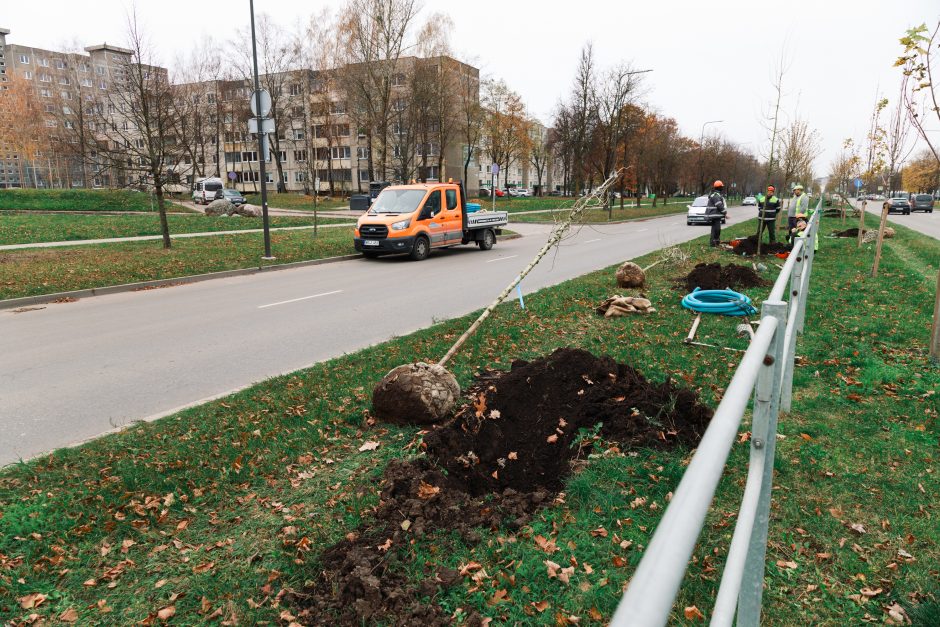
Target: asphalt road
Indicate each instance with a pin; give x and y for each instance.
(926, 223)
(73, 371)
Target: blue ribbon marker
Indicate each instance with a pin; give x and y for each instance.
(519, 290)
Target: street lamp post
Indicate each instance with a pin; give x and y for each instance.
(701, 153)
(261, 143)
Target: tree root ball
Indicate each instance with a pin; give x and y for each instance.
(417, 393)
(630, 275)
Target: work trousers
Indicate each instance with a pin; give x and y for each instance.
(770, 227)
(716, 231)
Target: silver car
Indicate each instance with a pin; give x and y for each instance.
(697, 211)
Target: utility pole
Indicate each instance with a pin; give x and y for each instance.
(262, 156)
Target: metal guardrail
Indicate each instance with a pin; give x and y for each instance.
(766, 370)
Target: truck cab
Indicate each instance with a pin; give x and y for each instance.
(414, 219)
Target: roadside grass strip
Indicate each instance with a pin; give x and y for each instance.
(222, 512)
(80, 200)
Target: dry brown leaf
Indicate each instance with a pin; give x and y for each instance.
(69, 616)
(368, 445)
(599, 532)
(426, 490)
(385, 545)
(552, 438)
(540, 606)
(480, 405)
(545, 544)
(202, 568)
(470, 567)
(32, 600)
(513, 455)
(693, 613)
(786, 564)
(552, 568)
(857, 528)
(127, 544)
(167, 613)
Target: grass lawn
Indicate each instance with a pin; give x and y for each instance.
(48, 270)
(211, 513)
(79, 200)
(22, 228)
(298, 201)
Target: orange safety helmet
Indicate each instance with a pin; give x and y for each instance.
(718, 184)
(771, 188)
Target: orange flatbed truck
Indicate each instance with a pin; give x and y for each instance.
(414, 219)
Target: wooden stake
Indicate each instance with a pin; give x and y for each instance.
(935, 334)
(881, 237)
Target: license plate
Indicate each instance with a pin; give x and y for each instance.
(370, 242)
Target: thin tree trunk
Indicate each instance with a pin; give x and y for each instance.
(881, 237)
(164, 224)
(861, 222)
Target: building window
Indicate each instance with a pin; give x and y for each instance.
(338, 107)
(300, 177)
(398, 80)
(67, 110)
(44, 62)
(340, 152)
(24, 59)
(60, 64)
(87, 82)
(196, 99)
(364, 176)
(297, 112)
(341, 130)
(49, 108)
(83, 67)
(45, 93)
(45, 78)
(295, 90)
(299, 134)
(102, 85)
(28, 75)
(362, 152)
(300, 155)
(139, 143)
(210, 98)
(50, 123)
(68, 124)
(66, 95)
(250, 155)
(99, 70)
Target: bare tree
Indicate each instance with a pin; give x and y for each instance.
(24, 125)
(137, 127)
(918, 62)
(471, 115)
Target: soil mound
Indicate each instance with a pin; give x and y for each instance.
(848, 233)
(714, 276)
(748, 246)
(503, 456)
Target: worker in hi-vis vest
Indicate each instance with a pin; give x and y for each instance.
(767, 207)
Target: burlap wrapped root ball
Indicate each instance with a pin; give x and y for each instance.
(417, 393)
(630, 275)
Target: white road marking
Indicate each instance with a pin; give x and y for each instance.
(591, 241)
(640, 230)
(294, 300)
(503, 258)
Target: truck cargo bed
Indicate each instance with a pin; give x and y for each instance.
(481, 219)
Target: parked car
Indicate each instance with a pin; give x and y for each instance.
(232, 195)
(899, 205)
(922, 202)
(697, 210)
(555, 192)
(749, 201)
(483, 193)
(500, 193)
(523, 192)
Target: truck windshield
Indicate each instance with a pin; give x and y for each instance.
(398, 201)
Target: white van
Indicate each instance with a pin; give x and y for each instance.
(204, 190)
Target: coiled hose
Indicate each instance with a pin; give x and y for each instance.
(724, 302)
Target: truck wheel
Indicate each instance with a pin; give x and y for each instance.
(489, 239)
(421, 249)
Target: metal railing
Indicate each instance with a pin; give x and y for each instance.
(766, 370)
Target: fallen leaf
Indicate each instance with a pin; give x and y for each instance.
(369, 445)
(32, 600)
(546, 545)
(857, 528)
(595, 614)
(540, 606)
(552, 438)
(806, 436)
(553, 568)
(599, 532)
(426, 490)
(167, 613)
(786, 564)
(89, 583)
(480, 405)
(126, 545)
(871, 592)
(69, 616)
(513, 455)
(693, 613)
(202, 568)
(469, 567)
(385, 545)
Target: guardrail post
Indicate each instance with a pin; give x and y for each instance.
(809, 252)
(763, 444)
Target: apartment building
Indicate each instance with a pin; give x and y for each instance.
(65, 84)
(320, 140)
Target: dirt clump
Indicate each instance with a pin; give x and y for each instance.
(848, 233)
(417, 393)
(503, 456)
(748, 247)
(630, 274)
(714, 276)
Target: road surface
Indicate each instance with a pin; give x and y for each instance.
(926, 223)
(73, 371)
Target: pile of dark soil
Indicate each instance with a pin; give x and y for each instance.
(714, 276)
(748, 247)
(504, 455)
(848, 233)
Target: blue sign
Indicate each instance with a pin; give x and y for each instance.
(858, 183)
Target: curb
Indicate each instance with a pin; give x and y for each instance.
(26, 301)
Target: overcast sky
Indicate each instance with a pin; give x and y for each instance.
(710, 60)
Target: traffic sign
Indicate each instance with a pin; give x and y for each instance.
(858, 182)
(495, 168)
(265, 103)
(232, 176)
(267, 125)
